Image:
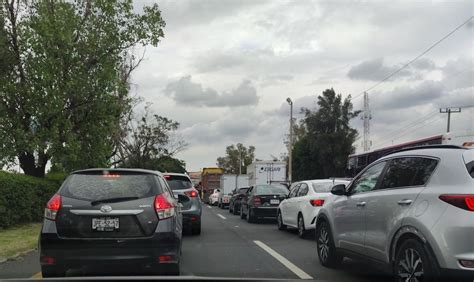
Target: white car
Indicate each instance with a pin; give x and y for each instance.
(305, 199)
(214, 197)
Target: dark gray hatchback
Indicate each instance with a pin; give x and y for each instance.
(102, 219)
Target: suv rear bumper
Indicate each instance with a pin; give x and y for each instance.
(265, 211)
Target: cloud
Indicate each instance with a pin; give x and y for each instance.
(406, 97)
(459, 73)
(375, 70)
(188, 93)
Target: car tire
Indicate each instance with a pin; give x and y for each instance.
(326, 249)
(235, 211)
(281, 225)
(301, 227)
(250, 217)
(172, 269)
(406, 262)
(242, 215)
(53, 271)
(196, 229)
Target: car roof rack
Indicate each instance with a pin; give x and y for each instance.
(427, 147)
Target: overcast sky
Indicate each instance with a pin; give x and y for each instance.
(226, 67)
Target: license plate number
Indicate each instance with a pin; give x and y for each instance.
(274, 201)
(105, 224)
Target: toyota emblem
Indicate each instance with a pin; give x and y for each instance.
(106, 209)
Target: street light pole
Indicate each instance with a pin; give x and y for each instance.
(290, 147)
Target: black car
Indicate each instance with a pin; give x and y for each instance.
(262, 201)
(234, 203)
(112, 220)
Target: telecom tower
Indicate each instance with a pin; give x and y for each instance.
(366, 117)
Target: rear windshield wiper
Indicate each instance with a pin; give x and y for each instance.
(113, 200)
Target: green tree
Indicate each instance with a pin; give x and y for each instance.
(322, 151)
(150, 143)
(64, 73)
(236, 154)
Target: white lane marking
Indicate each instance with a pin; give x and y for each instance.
(209, 207)
(221, 216)
(296, 270)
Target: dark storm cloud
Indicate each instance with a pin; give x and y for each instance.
(374, 70)
(407, 97)
(186, 92)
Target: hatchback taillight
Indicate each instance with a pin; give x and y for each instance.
(465, 202)
(52, 207)
(192, 194)
(317, 202)
(257, 201)
(164, 206)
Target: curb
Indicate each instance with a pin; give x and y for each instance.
(16, 256)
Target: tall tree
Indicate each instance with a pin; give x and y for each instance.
(149, 144)
(322, 151)
(236, 156)
(64, 72)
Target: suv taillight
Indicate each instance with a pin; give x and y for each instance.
(192, 194)
(164, 206)
(52, 207)
(257, 201)
(465, 202)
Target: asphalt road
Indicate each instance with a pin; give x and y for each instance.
(230, 247)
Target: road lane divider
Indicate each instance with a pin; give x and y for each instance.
(209, 207)
(288, 264)
(221, 216)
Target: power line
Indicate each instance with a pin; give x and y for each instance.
(414, 59)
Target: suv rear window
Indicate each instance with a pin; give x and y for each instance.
(92, 187)
(178, 182)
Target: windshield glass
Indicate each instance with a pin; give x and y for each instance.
(270, 189)
(97, 187)
(177, 182)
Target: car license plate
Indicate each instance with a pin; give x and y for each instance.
(274, 202)
(105, 224)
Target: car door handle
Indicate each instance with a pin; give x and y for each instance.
(405, 202)
(361, 204)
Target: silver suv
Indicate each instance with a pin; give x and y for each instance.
(412, 211)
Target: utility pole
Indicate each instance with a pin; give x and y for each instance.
(366, 117)
(290, 146)
(449, 111)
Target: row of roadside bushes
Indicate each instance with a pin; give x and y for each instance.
(23, 198)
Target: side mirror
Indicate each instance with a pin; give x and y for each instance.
(339, 190)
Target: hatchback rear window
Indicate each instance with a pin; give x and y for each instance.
(94, 187)
(178, 182)
(270, 189)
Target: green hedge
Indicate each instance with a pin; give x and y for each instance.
(23, 198)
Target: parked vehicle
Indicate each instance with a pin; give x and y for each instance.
(412, 211)
(303, 204)
(234, 203)
(266, 173)
(109, 218)
(181, 184)
(262, 201)
(230, 182)
(214, 197)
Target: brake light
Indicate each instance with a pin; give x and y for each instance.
(257, 201)
(192, 194)
(46, 260)
(164, 206)
(465, 202)
(317, 202)
(167, 177)
(52, 207)
(111, 175)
